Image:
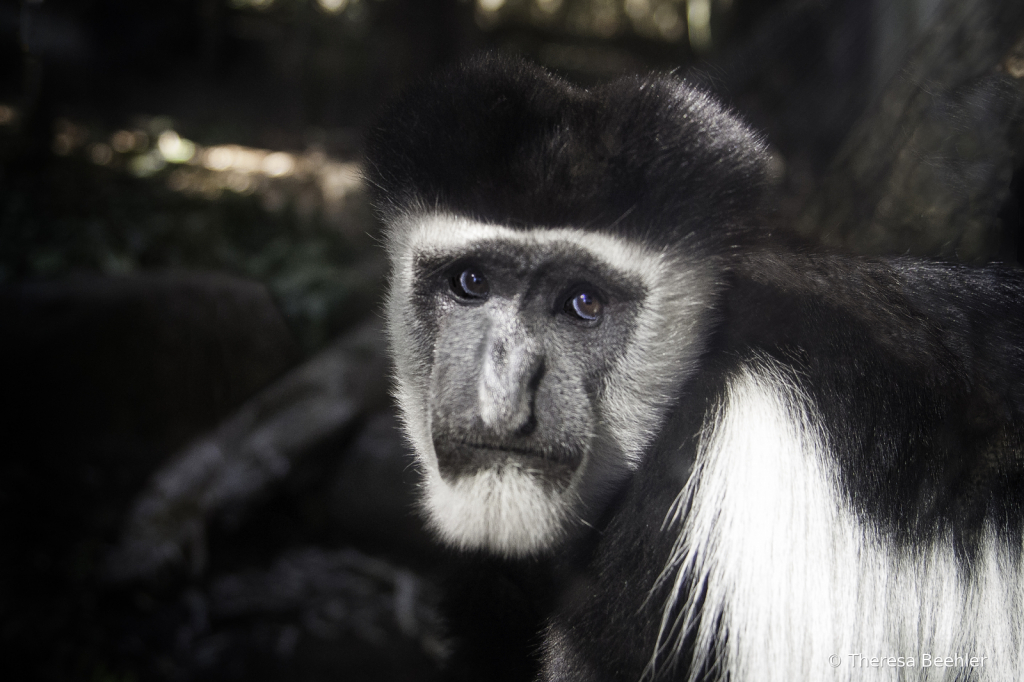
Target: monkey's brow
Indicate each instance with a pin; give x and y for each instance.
(512, 253)
(437, 269)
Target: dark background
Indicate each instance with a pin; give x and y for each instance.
(201, 475)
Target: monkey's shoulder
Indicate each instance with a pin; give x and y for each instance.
(942, 322)
(912, 371)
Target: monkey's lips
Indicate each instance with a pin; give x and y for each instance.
(458, 457)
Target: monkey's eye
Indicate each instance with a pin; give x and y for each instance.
(585, 305)
(470, 283)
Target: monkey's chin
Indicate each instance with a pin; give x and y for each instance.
(507, 510)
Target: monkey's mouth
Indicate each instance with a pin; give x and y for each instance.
(462, 457)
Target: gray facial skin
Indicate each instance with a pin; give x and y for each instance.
(518, 371)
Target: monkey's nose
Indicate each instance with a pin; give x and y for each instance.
(508, 381)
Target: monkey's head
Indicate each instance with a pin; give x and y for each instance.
(555, 256)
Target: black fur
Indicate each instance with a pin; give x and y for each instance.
(916, 368)
(503, 141)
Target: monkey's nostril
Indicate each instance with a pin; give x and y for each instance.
(530, 426)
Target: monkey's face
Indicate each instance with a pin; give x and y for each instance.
(530, 370)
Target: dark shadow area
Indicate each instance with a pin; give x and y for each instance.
(204, 477)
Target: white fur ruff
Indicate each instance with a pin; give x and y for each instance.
(504, 509)
(796, 578)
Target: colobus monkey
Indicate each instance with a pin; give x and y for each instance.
(744, 459)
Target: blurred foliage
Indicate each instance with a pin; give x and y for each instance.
(70, 214)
